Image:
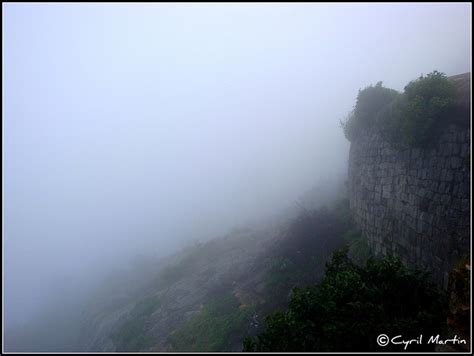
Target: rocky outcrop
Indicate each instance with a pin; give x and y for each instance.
(415, 202)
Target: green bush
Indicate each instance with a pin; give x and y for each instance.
(415, 117)
(353, 305)
(370, 101)
(425, 108)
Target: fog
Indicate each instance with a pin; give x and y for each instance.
(134, 129)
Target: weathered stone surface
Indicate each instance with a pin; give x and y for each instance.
(416, 201)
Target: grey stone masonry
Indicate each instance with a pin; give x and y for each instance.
(413, 202)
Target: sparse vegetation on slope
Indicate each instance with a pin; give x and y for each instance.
(131, 335)
(210, 328)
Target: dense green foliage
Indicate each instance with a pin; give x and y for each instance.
(370, 102)
(131, 335)
(353, 305)
(414, 117)
(425, 107)
(209, 329)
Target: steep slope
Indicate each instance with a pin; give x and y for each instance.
(212, 295)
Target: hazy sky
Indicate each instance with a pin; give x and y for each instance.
(134, 127)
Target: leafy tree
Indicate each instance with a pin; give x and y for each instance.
(416, 117)
(353, 305)
(426, 105)
(370, 101)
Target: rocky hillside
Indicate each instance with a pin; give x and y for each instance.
(211, 296)
(208, 296)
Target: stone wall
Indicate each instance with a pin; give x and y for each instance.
(414, 202)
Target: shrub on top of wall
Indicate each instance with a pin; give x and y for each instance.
(426, 105)
(370, 101)
(415, 117)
